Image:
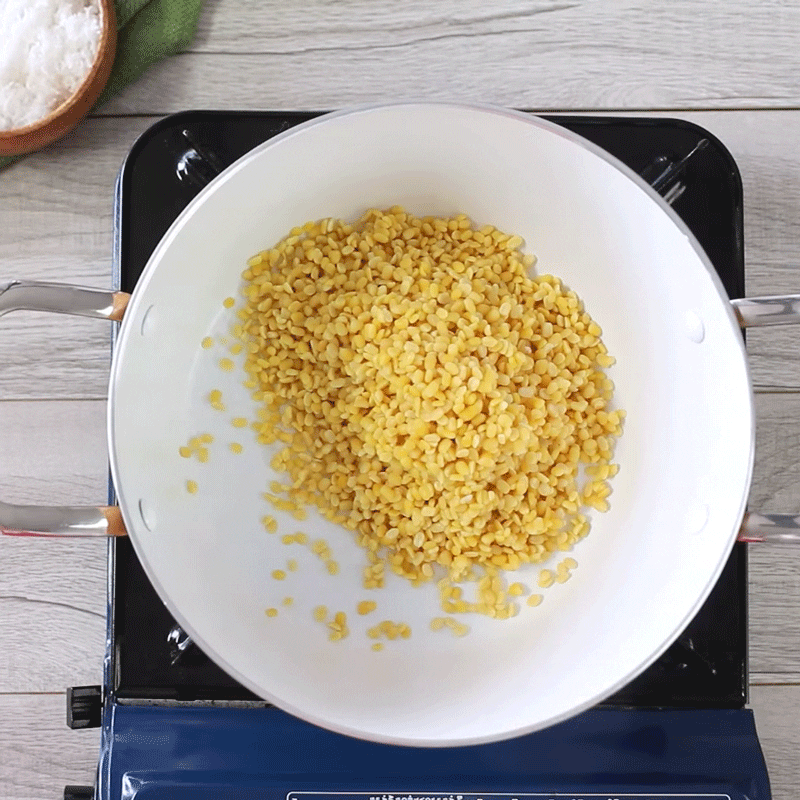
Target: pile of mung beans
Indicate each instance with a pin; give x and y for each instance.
(430, 395)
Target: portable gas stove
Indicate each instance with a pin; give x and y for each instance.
(175, 726)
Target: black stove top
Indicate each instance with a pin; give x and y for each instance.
(153, 659)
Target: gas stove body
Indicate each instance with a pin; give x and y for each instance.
(174, 725)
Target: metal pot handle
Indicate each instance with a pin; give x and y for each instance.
(22, 520)
(754, 312)
(770, 528)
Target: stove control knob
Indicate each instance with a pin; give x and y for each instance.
(84, 706)
(78, 793)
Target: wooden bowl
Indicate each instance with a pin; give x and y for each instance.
(64, 118)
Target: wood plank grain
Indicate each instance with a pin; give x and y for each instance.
(53, 634)
(600, 54)
(39, 754)
(56, 223)
(85, 374)
(776, 476)
(69, 239)
(774, 597)
(52, 592)
(770, 169)
(71, 575)
(54, 452)
(52, 613)
(777, 711)
(774, 571)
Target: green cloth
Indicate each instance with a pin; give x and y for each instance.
(147, 31)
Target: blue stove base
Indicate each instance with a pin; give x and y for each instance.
(161, 753)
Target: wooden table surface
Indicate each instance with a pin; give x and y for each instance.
(732, 67)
